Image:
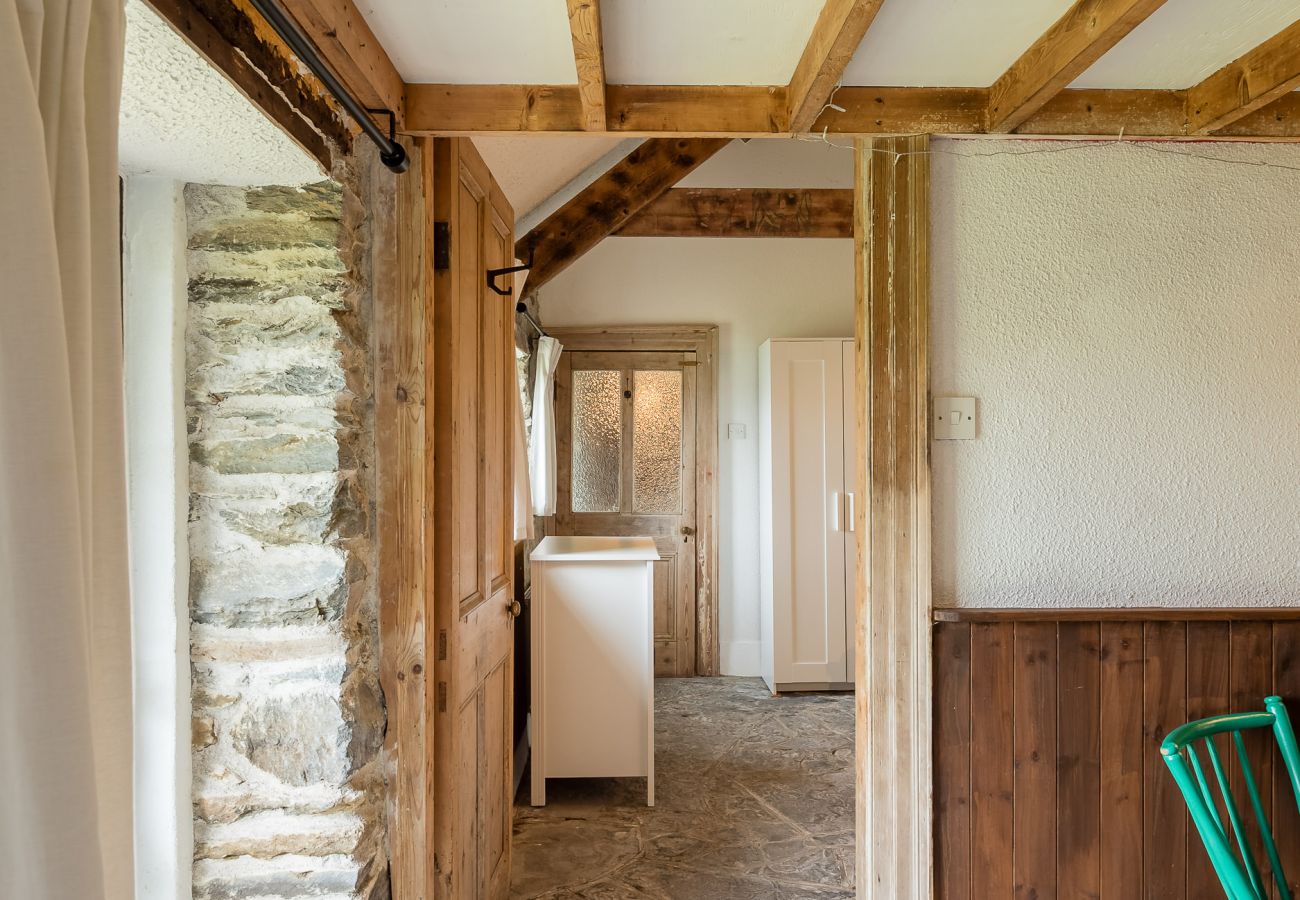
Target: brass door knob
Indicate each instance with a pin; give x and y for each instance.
(515, 609)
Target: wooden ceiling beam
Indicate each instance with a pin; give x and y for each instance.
(652, 110)
(609, 202)
(1248, 83)
(349, 46)
(840, 27)
(1078, 39)
(714, 111)
(746, 212)
(589, 56)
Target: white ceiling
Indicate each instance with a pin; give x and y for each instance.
(475, 41)
(181, 119)
(949, 43)
(531, 168)
(966, 43)
(1186, 40)
(705, 41)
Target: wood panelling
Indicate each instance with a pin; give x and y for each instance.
(1048, 778)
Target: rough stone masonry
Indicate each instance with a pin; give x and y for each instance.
(288, 716)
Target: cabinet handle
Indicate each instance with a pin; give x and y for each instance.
(852, 515)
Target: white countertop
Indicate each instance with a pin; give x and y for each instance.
(559, 548)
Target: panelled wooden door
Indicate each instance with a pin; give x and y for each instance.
(625, 427)
(473, 356)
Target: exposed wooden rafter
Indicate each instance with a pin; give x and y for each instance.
(606, 205)
(589, 55)
(839, 30)
(729, 111)
(346, 43)
(1250, 82)
(1078, 39)
(746, 212)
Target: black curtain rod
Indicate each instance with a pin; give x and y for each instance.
(391, 153)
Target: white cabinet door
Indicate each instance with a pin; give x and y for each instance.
(807, 428)
(850, 508)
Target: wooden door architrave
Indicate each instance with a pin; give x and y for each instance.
(703, 340)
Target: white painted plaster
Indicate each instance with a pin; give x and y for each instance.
(1127, 316)
(154, 303)
(475, 41)
(531, 168)
(714, 42)
(753, 289)
(1181, 43)
(949, 42)
(181, 119)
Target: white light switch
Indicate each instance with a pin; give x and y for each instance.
(954, 419)
(735, 431)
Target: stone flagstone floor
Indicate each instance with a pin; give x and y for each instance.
(754, 800)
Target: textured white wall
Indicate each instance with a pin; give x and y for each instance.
(181, 119)
(753, 289)
(153, 305)
(1129, 318)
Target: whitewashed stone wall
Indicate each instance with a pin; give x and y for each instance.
(288, 714)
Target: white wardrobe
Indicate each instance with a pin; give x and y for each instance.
(806, 508)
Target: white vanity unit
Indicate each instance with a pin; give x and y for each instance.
(593, 660)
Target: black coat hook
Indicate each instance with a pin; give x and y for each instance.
(494, 274)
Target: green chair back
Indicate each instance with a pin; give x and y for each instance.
(1238, 869)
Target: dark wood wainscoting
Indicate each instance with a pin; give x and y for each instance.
(1048, 781)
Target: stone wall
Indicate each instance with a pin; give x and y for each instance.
(288, 715)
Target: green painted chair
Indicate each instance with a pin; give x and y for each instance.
(1237, 870)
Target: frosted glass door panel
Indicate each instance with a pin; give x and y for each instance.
(657, 442)
(597, 440)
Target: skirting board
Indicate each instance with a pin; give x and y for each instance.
(741, 658)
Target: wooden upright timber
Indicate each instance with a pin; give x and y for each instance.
(1250, 82)
(892, 521)
(403, 259)
(840, 28)
(609, 202)
(589, 55)
(1078, 39)
(746, 212)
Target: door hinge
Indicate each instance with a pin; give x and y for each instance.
(442, 643)
(442, 696)
(442, 245)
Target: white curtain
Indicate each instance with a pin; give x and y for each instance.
(541, 452)
(522, 489)
(65, 662)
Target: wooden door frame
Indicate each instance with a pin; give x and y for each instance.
(703, 340)
(403, 253)
(895, 813)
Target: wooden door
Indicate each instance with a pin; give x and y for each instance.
(625, 427)
(473, 355)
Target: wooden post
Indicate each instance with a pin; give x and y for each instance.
(403, 266)
(891, 220)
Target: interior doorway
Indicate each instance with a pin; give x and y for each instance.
(632, 461)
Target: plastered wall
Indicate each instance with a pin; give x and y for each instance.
(1129, 319)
